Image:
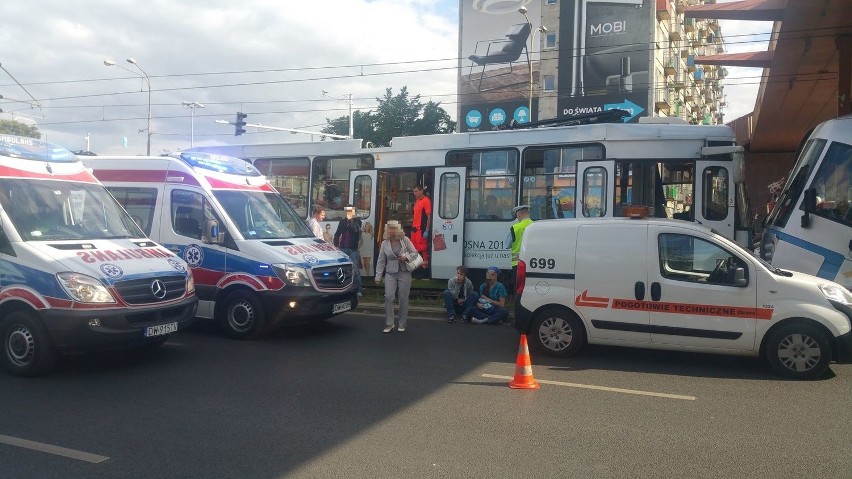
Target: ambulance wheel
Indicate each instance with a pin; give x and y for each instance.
(242, 316)
(798, 351)
(557, 332)
(27, 348)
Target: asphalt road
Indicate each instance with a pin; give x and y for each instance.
(343, 400)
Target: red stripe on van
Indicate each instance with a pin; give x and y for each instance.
(694, 309)
(82, 176)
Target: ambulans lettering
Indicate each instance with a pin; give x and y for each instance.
(95, 256)
(312, 248)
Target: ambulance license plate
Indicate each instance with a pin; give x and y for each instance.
(341, 307)
(161, 329)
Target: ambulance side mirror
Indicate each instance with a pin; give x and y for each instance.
(212, 234)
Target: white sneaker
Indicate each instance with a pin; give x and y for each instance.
(478, 321)
(388, 329)
(401, 329)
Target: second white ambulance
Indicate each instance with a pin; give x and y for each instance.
(669, 284)
(255, 262)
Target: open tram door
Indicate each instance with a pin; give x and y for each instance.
(595, 189)
(448, 221)
(362, 195)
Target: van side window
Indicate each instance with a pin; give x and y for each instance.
(139, 203)
(715, 186)
(687, 258)
(187, 214)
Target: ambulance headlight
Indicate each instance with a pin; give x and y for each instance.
(190, 283)
(836, 293)
(84, 289)
(292, 275)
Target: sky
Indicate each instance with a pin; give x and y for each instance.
(270, 59)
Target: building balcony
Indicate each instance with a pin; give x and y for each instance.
(689, 25)
(663, 10)
(674, 35)
(661, 100)
(680, 6)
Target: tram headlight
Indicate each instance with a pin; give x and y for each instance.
(84, 289)
(292, 275)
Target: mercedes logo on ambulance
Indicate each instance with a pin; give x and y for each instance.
(158, 289)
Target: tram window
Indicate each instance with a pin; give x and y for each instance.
(491, 182)
(594, 192)
(831, 181)
(549, 179)
(363, 195)
(715, 197)
(330, 182)
(290, 177)
(448, 203)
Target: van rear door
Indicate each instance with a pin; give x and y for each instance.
(611, 285)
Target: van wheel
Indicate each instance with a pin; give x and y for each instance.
(243, 317)
(798, 351)
(557, 332)
(27, 348)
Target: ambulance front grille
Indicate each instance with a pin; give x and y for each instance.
(334, 278)
(149, 290)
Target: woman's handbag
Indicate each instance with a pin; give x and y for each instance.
(414, 258)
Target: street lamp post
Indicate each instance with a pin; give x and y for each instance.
(542, 29)
(192, 105)
(348, 100)
(144, 76)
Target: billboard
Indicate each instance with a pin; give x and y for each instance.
(601, 60)
(608, 64)
(494, 62)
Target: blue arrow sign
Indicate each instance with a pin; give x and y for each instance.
(627, 105)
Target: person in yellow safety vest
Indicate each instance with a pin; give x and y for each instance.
(516, 234)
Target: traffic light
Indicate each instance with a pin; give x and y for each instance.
(240, 123)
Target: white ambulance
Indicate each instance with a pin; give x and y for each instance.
(670, 284)
(76, 273)
(256, 264)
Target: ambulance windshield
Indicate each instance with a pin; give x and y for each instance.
(48, 210)
(260, 215)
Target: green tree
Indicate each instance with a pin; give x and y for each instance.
(12, 127)
(395, 115)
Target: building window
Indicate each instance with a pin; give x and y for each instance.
(550, 40)
(549, 83)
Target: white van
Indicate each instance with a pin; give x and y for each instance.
(76, 273)
(670, 284)
(256, 264)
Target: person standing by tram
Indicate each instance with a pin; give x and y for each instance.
(421, 227)
(317, 215)
(347, 237)
(516, 234)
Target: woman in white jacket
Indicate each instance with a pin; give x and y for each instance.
(391, 261)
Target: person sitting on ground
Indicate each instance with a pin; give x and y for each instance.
(490, 307)
(459, 295)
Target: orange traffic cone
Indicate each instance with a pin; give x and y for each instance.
(523, 368)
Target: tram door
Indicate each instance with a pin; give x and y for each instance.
(362, 195)
(448, 221)
(595, 189)
(714, 195)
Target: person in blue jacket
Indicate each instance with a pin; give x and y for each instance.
(490, 308)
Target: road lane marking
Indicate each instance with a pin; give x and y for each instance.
(601, 388)
(50, 449)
